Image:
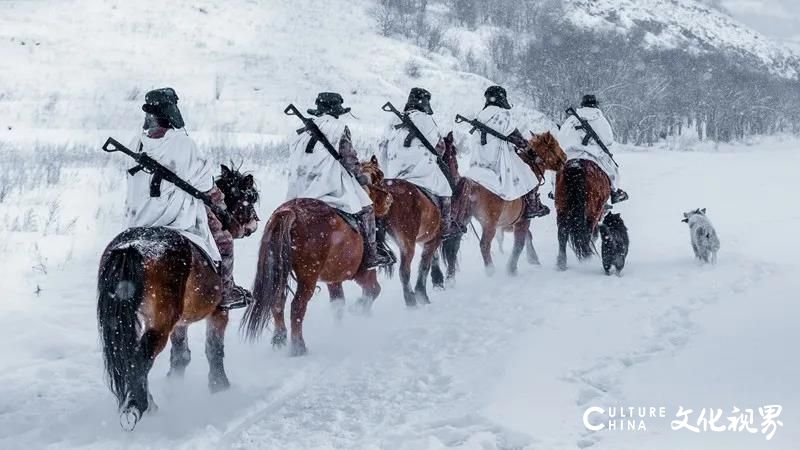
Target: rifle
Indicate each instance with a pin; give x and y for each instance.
(388, 107)
(485, 129)
(316, 135)
(150, 165)
(590, 133)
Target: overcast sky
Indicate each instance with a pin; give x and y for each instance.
(775, 18)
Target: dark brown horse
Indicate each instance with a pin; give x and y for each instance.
(582, 190)
(412, 219)
(152, 283)
(493, 213)
(308, 240)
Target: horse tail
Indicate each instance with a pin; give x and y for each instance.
(272, 273)
(576, 222)
(120, 291)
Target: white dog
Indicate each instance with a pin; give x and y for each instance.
(704, 238)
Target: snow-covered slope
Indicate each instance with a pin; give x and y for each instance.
(85, 65)
(684, 24)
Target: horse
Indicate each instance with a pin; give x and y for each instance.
(310, 241)
(582, 190)
(473, 200)
(413, 219)
(152, 283)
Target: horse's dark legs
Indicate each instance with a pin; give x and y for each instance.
(179, 355)
(486, 247)
(280, 333)
(520, 234)
(215, 350)
(139, 399)
(437, 277)
(302, 295)
(563, 234)
(533, 258)
(428, 251)
(406, 256)
(370, 289)
(336, 293)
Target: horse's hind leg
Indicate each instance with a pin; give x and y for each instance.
(428, 251)
(520, 233)
(533, 257)
(486, 247)
(179, 355)
(561, 264)
(336, 293)
(279, 336)
(370, 289)
(299, 304)
(407, 250)
(215, 350)
(437, 277)
(139, 399)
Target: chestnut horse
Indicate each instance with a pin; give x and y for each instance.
(154, 282)
(412, 219)
(473, 200)
(308, 240)
(582, 190)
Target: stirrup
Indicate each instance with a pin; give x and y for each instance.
(540, 211)
(618, 196)
(239, 297)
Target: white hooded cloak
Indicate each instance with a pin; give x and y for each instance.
(571, 139)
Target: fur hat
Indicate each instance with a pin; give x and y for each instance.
(419, 99)
(163, 104)
(329, 103)
(496, 95)
(589, 101)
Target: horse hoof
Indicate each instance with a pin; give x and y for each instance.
(219, 384)
(298, 350)
(561, 267)
(534, 261)
(337, 306)
(129, 417)
(279, 341)
(490, 271)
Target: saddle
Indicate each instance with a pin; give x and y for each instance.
(349, 219)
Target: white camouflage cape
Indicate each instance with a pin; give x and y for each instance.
(570, 140)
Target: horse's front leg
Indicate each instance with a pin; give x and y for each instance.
(302, 295)
(180, 355)
(520, 234)
(215, 350)
(487, 235)
(336, 293)
(407, 250)
(533, 257)
(370, 289)
(561, 263)
(428, 250)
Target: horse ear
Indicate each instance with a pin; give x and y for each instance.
(225, 170)
(248, 181)
(703, 211)
(374, 160)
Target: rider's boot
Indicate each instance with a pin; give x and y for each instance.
(618, 196)
(373, 255)
(233, 296)
(533, 206)
(449, 227)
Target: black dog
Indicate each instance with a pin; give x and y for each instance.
(615, 242)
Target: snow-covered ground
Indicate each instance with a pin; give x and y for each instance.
(493, 363)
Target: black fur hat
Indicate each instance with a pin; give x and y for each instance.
(163, 104)
(329, 103)
(589, 101)
(419, 99)
(496, 95)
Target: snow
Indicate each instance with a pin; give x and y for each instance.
(492, 363)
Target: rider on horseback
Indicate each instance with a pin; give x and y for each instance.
(573, 141)
(315, 173)
(495, 164)
(151, 203)
(405, 157)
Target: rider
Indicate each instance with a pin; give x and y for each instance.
(407, 158)
(315, 173)
(577, 147)
(495, 163)
(165, 140)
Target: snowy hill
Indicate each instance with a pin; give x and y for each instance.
(85, 65)
(684, 24)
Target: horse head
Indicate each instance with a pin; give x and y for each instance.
(450, 155)
(381, 198)
(547, 148)
(241, 197)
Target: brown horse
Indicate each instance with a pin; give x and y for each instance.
(412, 219)
(154, 282)
(308, 240)
(582, 190)
(473, 200)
